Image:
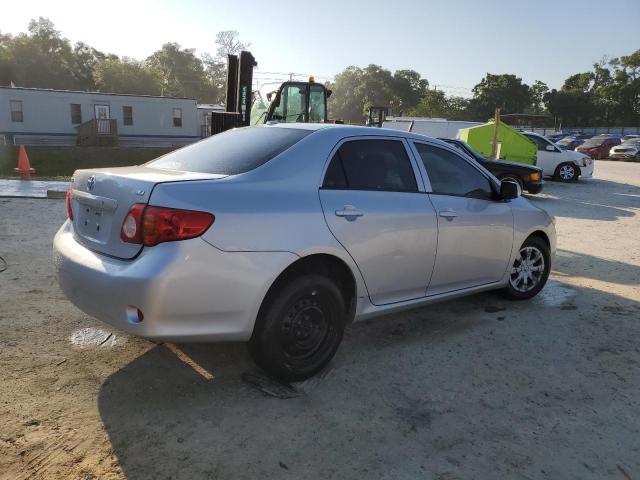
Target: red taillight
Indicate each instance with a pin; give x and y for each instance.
(131, 230)
(153, 225)
(68, 203)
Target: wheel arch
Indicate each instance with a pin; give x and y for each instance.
(325, 264)
(541, 235)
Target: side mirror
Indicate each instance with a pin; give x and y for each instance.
(509, 190)
(550, 148)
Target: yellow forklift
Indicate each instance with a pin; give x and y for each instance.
(292, 102)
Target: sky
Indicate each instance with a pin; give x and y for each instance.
(453, 44)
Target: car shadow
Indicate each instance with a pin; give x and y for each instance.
(443, 390)
(576, 200)
(569, 263)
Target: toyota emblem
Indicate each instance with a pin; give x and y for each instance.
(91, 182)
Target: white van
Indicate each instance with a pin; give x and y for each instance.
(431, 127)
(563, 165)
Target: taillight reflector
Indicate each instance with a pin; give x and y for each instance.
(68, 203)
(153, 225)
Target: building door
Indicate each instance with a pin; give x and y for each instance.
(102, 116)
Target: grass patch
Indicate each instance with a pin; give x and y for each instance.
(61, 162)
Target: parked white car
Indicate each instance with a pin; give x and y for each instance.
(563, 165)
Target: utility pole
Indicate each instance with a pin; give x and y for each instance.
(496, 125)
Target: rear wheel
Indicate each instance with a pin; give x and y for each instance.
(530, 270)
(300, 328)
(566, 172)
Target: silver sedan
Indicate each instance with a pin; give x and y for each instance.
(281, 235)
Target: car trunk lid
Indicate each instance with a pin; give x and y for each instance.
(101, 199)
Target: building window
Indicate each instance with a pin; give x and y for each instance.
(127, 115)
(177, 117)
(76, 113)
(16, 111)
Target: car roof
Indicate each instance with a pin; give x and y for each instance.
(358, 130)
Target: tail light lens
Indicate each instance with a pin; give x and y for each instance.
(68, 203)
(153, 225)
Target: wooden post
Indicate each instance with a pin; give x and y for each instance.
(496, 125)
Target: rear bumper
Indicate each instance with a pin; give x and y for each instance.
(187, 291)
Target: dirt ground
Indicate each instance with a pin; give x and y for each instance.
(475, 388)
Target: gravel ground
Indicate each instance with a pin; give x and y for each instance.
(474, 388)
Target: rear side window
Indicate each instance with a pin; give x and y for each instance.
(371, 165)
(232, 152)
(450, 174)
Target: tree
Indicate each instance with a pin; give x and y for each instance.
(538, 90)
(114, 75)
(356, 89)
(504, 91)
(229, 43)
(409, 88)
(41, 58)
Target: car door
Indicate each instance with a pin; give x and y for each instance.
(549, 156)
(373, 205)
(475, 231)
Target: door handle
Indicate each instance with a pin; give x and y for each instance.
(350, 212)
(448, 214)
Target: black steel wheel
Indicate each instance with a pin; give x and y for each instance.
(299, 328)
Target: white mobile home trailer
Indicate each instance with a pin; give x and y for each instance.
(33, 116)
(431, 127)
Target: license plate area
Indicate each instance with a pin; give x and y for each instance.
(93, 216)
(94, 224)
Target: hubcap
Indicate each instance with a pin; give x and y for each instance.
(304, 328)
(527, 270)
(567, 172)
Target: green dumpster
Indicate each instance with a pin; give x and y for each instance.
(513, 146)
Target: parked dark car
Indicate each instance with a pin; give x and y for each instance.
(527, 176)
(598, 147)
(556, 136)
(569, 143)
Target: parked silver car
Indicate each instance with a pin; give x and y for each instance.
(628, 150)
(281, 235)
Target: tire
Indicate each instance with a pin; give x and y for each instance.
(566, 172)
(532, 263)
(299, 328)
(513, 178)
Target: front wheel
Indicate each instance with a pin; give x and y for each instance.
(299, 329)
(566, 172)
(530, 270)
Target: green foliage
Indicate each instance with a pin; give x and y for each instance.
(125, 75)
(42, 58)
(504, 91)
(356, 89)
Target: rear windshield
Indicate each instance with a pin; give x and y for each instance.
(232, 152)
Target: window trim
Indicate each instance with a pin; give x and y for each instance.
(412, 160)
(493, 182)
(12, 111)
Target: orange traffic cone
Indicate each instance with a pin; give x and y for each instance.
(24, 169)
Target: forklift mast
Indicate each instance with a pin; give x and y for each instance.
(293, 101)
